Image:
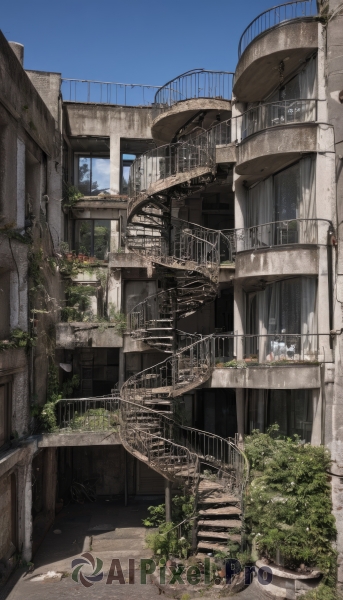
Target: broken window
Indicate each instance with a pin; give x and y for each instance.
(93, 175)
(127, 160)
(93, 237)
(292, 410)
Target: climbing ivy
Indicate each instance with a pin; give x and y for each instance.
(18, 339)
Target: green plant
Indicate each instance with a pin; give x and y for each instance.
(288, 504)
(78, 302)
(71, 195)
(323, 592)
(18, 339)
(118, 318)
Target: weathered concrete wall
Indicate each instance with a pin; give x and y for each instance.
(283, 260)
(257, 73)
(23, 101)
(272, 149)
(48, 86)
(265, 377)
(83, 335)
(168, 122)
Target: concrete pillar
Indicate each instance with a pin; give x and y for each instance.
(121, 367)
(115, 163)
(20, 184)
(126, 494)
(238, 322)
(316, 437)
(50, 478)
(240, 410)
(168, 505)
(27, 537)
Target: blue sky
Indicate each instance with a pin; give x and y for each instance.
(131, 42)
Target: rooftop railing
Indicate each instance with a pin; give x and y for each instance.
(274, 16)
(197, 83)
(108, 92)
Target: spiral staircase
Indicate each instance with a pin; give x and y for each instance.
(187, 258)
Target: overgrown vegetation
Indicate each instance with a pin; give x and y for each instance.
(18, 339)
(171, 539)
(71, 195)
(47, 414)
(288, 504)
(78, 299)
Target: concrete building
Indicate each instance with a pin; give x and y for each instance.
(196, 243)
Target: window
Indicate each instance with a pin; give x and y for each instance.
(93, 237)
(127, 160)
(93, 175)
(292, 410)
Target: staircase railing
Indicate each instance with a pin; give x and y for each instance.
(183, 371)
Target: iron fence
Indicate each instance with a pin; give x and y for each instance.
(280, 233)
(107, 92)
(197, 83)
(274, 16)
(88, 414)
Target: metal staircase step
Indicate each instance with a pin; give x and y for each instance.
(224, 510)
(212, 546)
(220, 523)
(219, 535)
(219, 500)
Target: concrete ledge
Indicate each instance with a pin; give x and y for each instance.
(126, 260)
(281, 144)
(90, 335)
(165, 126)
(227, 273)
(297, 259)
(257, 70)
(265, 377)
(132, 345)
(12, 361)
(287, 584)
(226, 154)
(79, 438)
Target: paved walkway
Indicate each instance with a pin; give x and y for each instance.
(107, 530)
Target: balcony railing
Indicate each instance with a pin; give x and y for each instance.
(281, 233)
(274, 16)
(284, 112)
(197, 83)
(273, 348)
(108, 92)
(88, 414)
(270, 235)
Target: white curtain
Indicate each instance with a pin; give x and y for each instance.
(308, 79)
(286, 320)
(260, 213)
(306, 208)
(308, 89)
(309, 325)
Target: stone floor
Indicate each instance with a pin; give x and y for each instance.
(107, 530)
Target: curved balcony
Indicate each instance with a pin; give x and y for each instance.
(280, 248)
(168, 166)
(282, 131)
(196, 96)
(286, 34)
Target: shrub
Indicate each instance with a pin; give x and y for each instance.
(288, 504)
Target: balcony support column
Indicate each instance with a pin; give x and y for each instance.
(238, 312)
(240, 404)
(115, 163)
